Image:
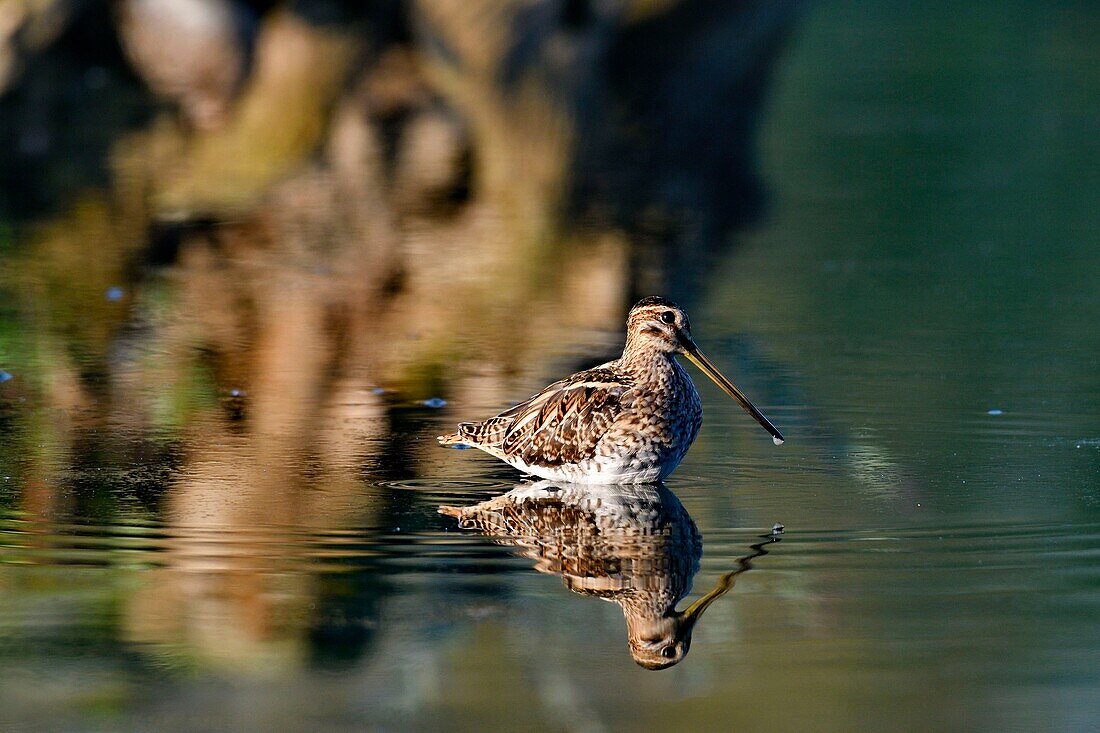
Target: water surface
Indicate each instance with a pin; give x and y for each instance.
(916, 309)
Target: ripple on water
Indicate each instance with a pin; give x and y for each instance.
(1049, 545)
(270, 547)
(930, 560)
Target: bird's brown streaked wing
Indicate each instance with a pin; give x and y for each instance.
(491, 433)
(564, 422)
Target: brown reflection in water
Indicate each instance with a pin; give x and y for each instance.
(248, 528)
(274, 465)
(635, 546)
(333, 208)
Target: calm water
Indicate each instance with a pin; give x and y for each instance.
(916, 309)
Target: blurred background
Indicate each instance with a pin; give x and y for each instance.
(254, 256)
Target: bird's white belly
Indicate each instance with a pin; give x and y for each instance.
(637, 468)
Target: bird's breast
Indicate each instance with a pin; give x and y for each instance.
(668, 407)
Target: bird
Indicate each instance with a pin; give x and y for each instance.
(634, 545)
(630, 420)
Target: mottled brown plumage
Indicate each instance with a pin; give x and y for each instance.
(627, 421)
(560, 425)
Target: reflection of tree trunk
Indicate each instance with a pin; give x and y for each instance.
(270, 473)
(227, 586)
(249, 520)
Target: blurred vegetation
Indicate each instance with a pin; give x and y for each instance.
(249, 211)
(242, 241)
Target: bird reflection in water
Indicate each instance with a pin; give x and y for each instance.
(633, 545)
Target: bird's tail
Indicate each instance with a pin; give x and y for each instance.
(451, 511)
(452, 439)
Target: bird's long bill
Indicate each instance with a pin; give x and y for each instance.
(695, 611)
(692, 613)
(692, 352)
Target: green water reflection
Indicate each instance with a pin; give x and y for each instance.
(211, 521)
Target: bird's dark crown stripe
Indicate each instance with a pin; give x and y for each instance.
(655, 300)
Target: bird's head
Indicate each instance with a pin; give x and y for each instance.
(660, 640)
(658, 325)
(655, 324)
(659, 643)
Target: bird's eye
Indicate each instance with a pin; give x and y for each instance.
(668, 652)
(668, 317)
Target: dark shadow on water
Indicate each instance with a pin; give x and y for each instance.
(633, 545)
